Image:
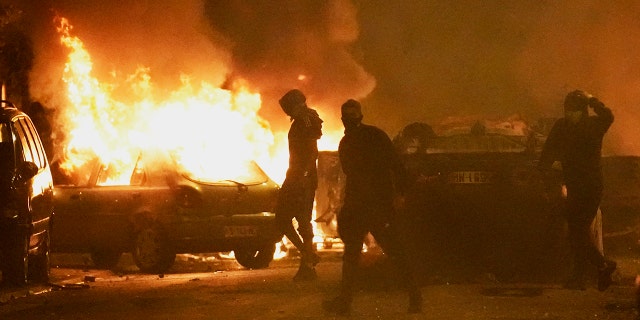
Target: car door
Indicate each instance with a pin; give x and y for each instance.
(41, 186)
(98, 215)
(209, 211)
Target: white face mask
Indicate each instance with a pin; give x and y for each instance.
(573, 116)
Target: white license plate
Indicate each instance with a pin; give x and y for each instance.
(240, 231)
(470, 177)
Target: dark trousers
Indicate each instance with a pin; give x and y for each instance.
(296, 201)
(581, 211)
(353, 226)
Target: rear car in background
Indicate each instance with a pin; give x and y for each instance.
(481, 203)
(478, 204)
(621, 204)
(26, 200)
(159, 210)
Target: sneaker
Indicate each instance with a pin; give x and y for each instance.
(338, 306)
(604, 275)
(415, 303)
(305, 273)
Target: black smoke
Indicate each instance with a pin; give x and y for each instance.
(406, 60)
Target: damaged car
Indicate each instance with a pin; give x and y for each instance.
(160, 209)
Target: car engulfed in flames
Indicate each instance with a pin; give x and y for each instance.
(158, 171)
(213, 132)
(162, 210)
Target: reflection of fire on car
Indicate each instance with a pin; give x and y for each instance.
(162, 209)
(26, 199)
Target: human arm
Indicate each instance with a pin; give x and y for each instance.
(552, 146)
(604, 115)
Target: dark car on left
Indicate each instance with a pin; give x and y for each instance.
(26, 200)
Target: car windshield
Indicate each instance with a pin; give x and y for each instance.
(469, 143)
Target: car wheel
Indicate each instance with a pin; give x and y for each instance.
(255, 258)
(105, 258)
(151, 250)
(40, 264)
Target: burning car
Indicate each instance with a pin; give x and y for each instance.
(26, 203)
(160, 209)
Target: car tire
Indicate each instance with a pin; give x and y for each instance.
(152, 252)
(40, 264)
(255, 258)
(105, 258)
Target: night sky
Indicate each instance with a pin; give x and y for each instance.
(406, 61)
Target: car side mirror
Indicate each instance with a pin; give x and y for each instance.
(26, 171)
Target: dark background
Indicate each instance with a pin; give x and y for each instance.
(407, 60)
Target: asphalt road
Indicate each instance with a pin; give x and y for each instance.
(216, 287)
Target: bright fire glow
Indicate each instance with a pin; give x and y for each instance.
(210, 131)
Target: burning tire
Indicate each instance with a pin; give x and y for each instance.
(152, 252)
(105, 258)
(255, 258)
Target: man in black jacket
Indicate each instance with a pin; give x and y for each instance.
(298, 189)
(374, 177)
(576, 142)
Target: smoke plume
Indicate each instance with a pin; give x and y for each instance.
(434, 59)
(406, 61)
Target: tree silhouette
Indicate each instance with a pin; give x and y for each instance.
(16, 56)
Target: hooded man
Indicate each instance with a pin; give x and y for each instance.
(298, 189)
(375, 180)
(576, 142)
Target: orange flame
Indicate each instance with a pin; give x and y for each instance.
(210, 131)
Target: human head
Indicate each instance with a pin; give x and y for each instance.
(351, 114)
(575, 105)
(292, 102)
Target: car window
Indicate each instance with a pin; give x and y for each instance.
(115, 174)
(27, 151)
(36, 143)
(139, 175)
